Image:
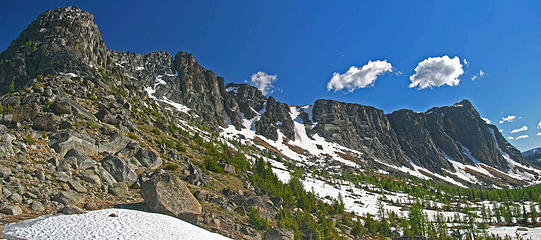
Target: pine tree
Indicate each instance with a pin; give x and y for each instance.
(417, 219)
(533, 213)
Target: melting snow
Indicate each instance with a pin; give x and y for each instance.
(151, 90)
(129, 224)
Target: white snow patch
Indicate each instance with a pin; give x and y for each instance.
(531, 233)
(130, 224)
(71, 74)
(151, 90)
(140, 68)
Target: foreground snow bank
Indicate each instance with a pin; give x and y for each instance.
(130, 224)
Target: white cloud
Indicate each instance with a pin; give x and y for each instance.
(539, 125)
(511, 138)
(501, 130)
(436, 72)
(487, 120)
(357, 77)
(521, 137)
(263, 82)
(522, 129)
(478, 75)
(509, 118)
(539, 134)
(466, 62)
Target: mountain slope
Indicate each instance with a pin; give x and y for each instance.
(533, 156)
(439, 141)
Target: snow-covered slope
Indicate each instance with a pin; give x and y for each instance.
(128, 224)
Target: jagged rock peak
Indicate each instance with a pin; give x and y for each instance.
(59, 40)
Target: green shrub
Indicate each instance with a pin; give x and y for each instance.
(171, 166)
(30, 139)
(92, 125)
(132, 136)
(180, 147)
(256, 220)
(211, 164)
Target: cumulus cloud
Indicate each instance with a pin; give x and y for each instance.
(511, 138)
(522, 129)
(478, 75)
(509, 118)
(487, 120)
(356, 77)
(521, 137)
(539, 125)
(436, 72)
(539, 134)
(466, 62)
(263, 82)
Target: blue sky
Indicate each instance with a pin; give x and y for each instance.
(304, 43)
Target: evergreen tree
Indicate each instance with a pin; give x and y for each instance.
(533, 213)
(417, 219)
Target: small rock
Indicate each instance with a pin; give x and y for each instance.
(62, 177)
(40, 175)
(90, 177)
(91, 206)
(68, 198)
(54, 161)
(30, 195)
(119, 189)
(77, 186)
(11, 210)
(113, 215)
(15, 198)
(4, 171)
(72, 210)
(37, 206)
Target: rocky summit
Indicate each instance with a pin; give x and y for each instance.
(84, 127)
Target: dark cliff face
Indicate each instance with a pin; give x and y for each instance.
(456, 131)
(60, 40)
(533, 156)
(249, 99)
(276, 117)
(416, 136)
(362, 128)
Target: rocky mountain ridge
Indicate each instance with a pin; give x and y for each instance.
(533, 156)
(67, 40)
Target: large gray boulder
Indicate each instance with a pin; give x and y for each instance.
(116, 143)
(149, 159)
(46, 122)
(166, 193)
(83, 162)
(64, 141)
(119, 169)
